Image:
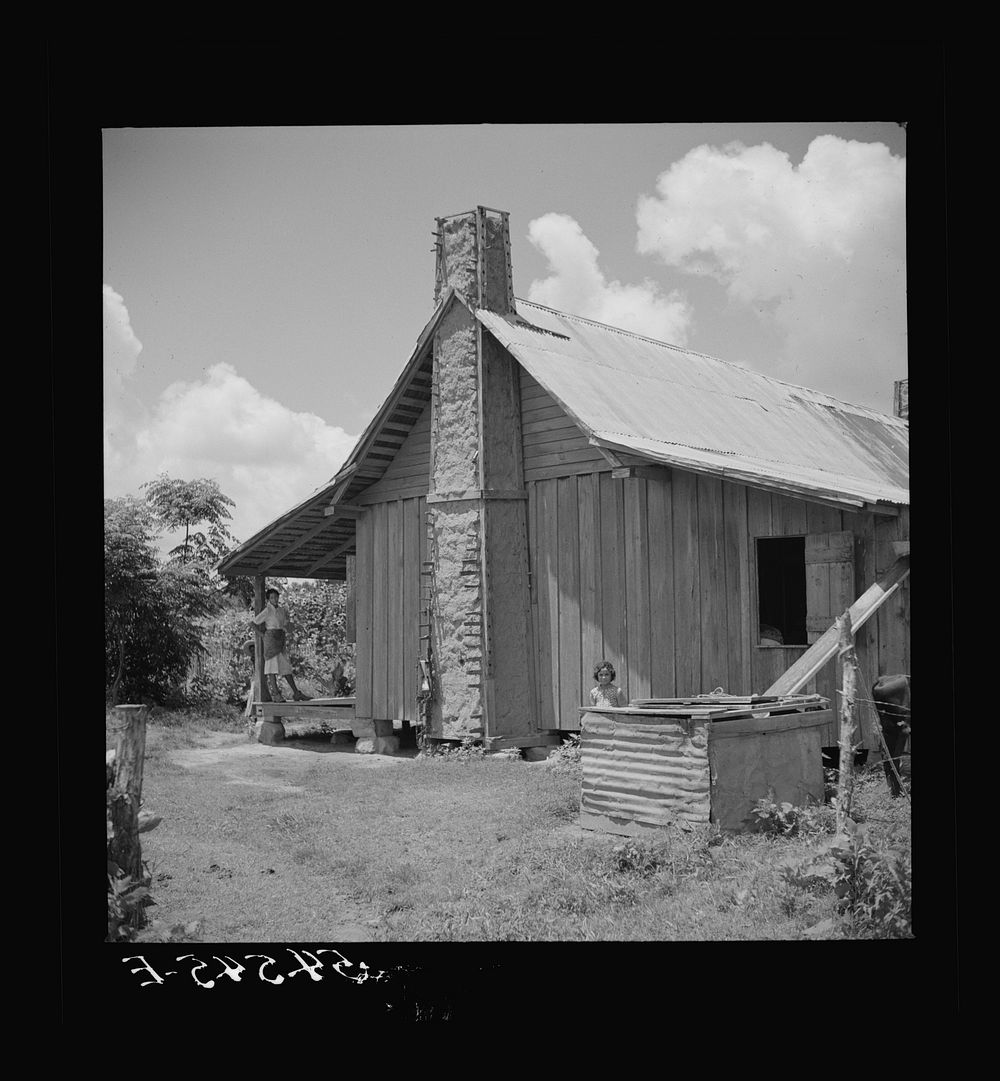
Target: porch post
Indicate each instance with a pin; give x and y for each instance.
(258, 653)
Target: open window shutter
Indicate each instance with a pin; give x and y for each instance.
(829, 580)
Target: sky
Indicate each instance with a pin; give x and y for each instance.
(265, 286)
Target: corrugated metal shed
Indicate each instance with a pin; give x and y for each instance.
(643, 768)
(672, 406)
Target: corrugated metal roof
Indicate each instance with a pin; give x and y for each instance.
(689, 410)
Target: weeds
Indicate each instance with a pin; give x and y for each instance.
(469, 750)
(567, 757)
(788, 820)
(874, 887)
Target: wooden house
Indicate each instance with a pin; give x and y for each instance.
(540, 491)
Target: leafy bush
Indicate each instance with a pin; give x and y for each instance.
(788, 820)
(636, 857)
(150, 612)
(567, 758)
(874, 887)
(127, 898)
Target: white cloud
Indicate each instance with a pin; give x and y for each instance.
(121, 354)
(578, 286)
(816, 250)
(263, 455)
(121, 346)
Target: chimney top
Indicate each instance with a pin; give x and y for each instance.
(472, 255)
(901, 399)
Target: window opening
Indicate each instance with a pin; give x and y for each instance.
(781, 590)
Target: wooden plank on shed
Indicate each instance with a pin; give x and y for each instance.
(613, 574)
(568, 469)
(687, 586)
(363, 601)
(893, 617)
(823, 519)
(591, 635)
(734, 512)
(712, 576)
(412, 524)
(759, 524)
(396, 628)
(659, 503)
(547, 554)
(380, 610)
(637, 621)
(569, 604)
(790, 513)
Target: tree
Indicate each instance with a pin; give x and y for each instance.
(151, 613)
(184, 504)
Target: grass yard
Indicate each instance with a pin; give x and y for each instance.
(292, 844)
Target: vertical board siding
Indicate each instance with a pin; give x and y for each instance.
(591, 634)
(547, 525)
(893, 617)
(659, 504)
(820, 519)
(395, 628)
(412, 521)
(660, 578)
(363, 624)
(687, 587)
(712, 576)
(738, 607)
(380, 608)
(569, 603)
(613, 575)
(391, 546)
(636, 546)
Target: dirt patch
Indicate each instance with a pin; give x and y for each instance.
(241, 849)
(237, 761)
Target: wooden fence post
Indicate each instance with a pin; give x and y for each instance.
(124, 848)
(848, 666)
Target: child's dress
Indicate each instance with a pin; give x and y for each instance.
(607, 696)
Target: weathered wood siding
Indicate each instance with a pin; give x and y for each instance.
(391, 544)
(660, 578)
(408, 474)
(552, 444)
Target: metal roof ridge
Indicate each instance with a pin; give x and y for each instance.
(730, 453)
(792, 468)
(721, 360)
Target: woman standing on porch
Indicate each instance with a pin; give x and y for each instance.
(276, 662)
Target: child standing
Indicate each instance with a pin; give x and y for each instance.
(606, 693)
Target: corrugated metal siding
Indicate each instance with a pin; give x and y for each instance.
(693, 411)
(646, 769)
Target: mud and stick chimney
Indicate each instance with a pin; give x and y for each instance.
(473, 257)
(477, 522)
